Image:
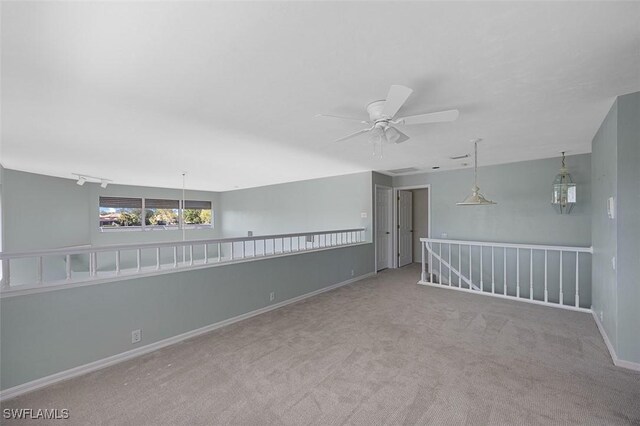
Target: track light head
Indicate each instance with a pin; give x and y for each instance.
(104, 183)
(81, 180)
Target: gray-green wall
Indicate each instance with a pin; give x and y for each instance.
(604, 230)
(616, 292)
(312, 205)
(629, 227)
(72, 327)
(523, 215)
(523, 192)
(46, 333)
(46, 212)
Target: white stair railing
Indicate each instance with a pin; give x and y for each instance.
(63, 267)
(543, 274)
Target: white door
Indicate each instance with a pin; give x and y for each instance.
(405, 231)
(383, 228)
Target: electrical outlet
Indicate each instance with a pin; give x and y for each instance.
(272, 296)
(136, 336)
(352, 273)
(444, 235)
(363, 215)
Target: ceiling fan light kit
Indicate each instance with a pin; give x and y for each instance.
(476, 198)
(382, 118)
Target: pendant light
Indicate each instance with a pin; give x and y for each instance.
(563, 196)
(476, 198)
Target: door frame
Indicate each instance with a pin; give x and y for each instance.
(395, 215)
(390, 224)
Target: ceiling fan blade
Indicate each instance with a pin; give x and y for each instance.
(432, 117)
(343, 118)
(396, 97)
(394, 135)
(352, 135)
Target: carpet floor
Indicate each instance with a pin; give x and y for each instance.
(380, 351)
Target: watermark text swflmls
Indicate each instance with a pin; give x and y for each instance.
(35, 414)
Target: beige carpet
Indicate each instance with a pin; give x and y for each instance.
(381, 351)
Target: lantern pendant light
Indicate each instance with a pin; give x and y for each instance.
(563, 197)
(476, 198)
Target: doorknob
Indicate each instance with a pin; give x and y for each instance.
(387, 232)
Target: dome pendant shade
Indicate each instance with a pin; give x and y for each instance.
(476, 198)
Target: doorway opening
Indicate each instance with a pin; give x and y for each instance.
(412, 215)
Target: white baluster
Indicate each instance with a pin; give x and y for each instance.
(504, 270)
(577, 280)
(546, 292)
(561, 295)
(430, 247)
(157, 258)
(67, 259)
(440, 263)
(206, 253)
(470, 270)
(531, 274)
(6, 274)
(93, 263)
(449, 265)
(219, 252)
(459, 267)
(517, 272)
(138, 255)
(493, 281)
(231, 250)
(39, 270)
(422, 274)
(191, 255)
(481, 271)
(117, 262)
(175, 256)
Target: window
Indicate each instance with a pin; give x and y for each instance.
(162, 214)
(120, 212)
(197, 214)
(124, 214)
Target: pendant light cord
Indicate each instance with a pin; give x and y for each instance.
(475, 167)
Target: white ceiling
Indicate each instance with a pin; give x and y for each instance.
(138, 92)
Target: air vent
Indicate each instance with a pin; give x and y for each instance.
(460, 157)
(402, 171)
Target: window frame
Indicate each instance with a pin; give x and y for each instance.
(143, 227)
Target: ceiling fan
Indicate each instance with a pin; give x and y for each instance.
(382, 117)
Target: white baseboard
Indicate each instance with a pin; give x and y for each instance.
(115, 359)
(614, 357)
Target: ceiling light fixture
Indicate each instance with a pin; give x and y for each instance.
(476, 198)
(86, 178)
(563, 197)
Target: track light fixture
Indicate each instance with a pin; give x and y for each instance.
(86, 178)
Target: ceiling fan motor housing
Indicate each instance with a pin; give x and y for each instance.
(374, 109)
